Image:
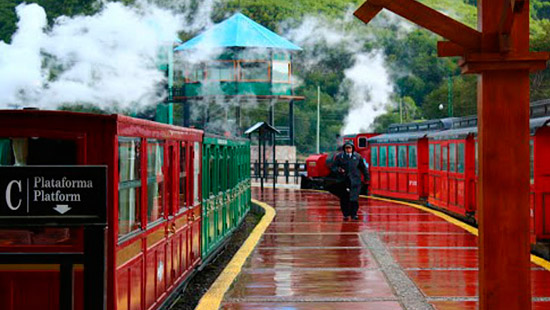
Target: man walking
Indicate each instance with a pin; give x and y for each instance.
(349, 165)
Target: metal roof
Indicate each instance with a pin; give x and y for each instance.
(260, 126)
(412, 131)
(238, 31)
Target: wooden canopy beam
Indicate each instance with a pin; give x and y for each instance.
(426, 17)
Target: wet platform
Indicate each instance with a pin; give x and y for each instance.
(393, 257)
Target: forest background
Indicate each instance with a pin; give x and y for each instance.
(421, 83)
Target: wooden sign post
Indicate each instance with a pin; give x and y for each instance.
(499, 53)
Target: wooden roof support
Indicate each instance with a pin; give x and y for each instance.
(500, 54)
(426, 17)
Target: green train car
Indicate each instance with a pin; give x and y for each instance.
(225, 189)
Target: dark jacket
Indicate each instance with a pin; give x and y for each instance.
(350, 169)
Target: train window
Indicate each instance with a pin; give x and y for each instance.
(183, 177)
(412, 156)
(437, 157)
(460, 164)
(155, 180)
(391, 156)
(37, 151)
(444, 159)
(452, 157)
(477, 162)
(383, 155)
(402, 156)
(532, 161)
(362, 142)
(374, 156)
(196, 171)
(432, 157)
(129, 186)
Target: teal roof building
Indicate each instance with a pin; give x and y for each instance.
(250, 62)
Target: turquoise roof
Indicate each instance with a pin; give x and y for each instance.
(238, 31)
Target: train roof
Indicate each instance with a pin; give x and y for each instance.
(412, 131)
(464, 126)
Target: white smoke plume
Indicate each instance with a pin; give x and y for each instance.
(367, 80)
(109, 59)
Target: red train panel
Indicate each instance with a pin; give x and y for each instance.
(153, 236)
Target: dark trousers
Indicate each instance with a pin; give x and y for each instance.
(349, 208)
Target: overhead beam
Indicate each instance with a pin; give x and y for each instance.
(426, 17)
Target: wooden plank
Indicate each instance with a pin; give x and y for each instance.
(426, 17)
(449, 49)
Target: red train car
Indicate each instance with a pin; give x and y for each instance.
(540, 169)
(154, 205)
(399, 160)
(452, 167)
(361, 142)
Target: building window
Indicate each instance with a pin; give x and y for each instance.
(183, 177)
(412, 156)
(281, 71)
(129, 186)
(155, 180)
(374, 156)
(254, 71)
(221, 71)
(391, 156)
(402, 156)
(194, 74)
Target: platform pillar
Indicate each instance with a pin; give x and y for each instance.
(503, 188)
(499, 53)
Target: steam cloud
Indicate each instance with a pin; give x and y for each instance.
(109, 59)
(366, 82)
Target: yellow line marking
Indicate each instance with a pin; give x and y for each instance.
(213, 297)
(534, 259)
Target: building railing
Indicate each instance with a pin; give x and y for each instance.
(288, 173)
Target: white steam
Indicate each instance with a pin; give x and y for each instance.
(366, 82)
(20, 62)
(109, 59)
(369, 91)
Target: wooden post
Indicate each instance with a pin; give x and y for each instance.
(499, 53)
(503, 186)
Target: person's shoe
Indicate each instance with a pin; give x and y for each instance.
(355, 217)
(346, 218)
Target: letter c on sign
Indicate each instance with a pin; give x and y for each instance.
(8, 194)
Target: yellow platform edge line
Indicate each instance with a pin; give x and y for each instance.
(213, 297)
(534, 259)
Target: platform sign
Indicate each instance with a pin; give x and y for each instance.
(53, 195)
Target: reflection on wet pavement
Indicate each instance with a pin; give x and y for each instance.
(394, 257)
